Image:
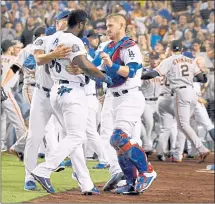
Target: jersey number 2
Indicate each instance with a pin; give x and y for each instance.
(184, 70)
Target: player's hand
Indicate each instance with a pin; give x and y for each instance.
(202, 101)
(101, 99)
(73, 69)
(61, 51)
(106, 59)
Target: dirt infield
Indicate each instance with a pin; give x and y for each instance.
(176, 183)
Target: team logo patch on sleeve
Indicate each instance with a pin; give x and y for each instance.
(75, 48)
(39, 42)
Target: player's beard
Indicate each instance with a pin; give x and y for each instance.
(81, 33)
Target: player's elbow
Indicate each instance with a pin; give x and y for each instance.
(15, 68)
(201, 77)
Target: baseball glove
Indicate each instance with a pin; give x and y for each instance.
(3, 95)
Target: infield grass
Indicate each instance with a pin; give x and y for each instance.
(12, 180)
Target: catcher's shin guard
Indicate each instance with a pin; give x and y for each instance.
(128, 168)
(133, 152)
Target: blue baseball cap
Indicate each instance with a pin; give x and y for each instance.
(50, 30)
(188, 54)
(63, 14)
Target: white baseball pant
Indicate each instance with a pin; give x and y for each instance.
(168, 124)
(185, 102)
(71, 111)
(122, 112)
(93, 138)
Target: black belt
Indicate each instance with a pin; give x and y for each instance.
(151, 99)
(167, 94)
(91, 94)
(182, 87)
(34, 84)
(44, 88)
(67, 82)
(117, 94)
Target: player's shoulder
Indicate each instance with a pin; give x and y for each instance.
(128, 43)
(40, 40)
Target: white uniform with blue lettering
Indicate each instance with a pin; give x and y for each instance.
(151, 92)
(180, 72)
(41, 115)
(68, 100)
(123, 112)
(94, 141)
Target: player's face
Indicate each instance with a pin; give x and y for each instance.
(113, 28)
(82, 29)
(17, 49)
(61, 24)
(154, 62)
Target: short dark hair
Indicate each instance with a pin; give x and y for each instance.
(77, 16)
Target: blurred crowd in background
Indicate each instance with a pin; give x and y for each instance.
(152, 24)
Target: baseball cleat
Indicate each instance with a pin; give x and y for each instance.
(61, 167)
(145, 180)
(93, 191)
(203, 156)
(41, 155)
(101, 166)
(30, 186)
(20, 155)
(45, 183)
(127, 189)
(176, 160)
(68, 163)
(112, 183)
(161, 157)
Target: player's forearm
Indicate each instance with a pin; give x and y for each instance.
(149, 74)
(123, 71)
(88, 68)
(42, 59)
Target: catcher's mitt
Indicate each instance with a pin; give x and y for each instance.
(3, 95)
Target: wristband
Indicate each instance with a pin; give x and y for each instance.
(115, 67)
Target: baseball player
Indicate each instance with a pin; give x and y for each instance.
(122, 61)
(168, 121)
(93, 138)
(200, 112)
(68, 99)
(151, 91)
(180, 72)
(10, 107)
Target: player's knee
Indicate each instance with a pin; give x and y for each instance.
(118, 138)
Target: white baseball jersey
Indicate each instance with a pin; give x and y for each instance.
(90, 88)
(58, 66)
(197, 88)
(29, 74)
(165, 86)
(151, 88)
(128, 55)
(179, 70)
(43, 76)
(6, 62)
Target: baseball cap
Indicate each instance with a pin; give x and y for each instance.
(6, 44)
(50, 30)
(63, 14)
(176, 45)
(173, 22)
(188, 54)
(154, 55)
(38, 31)
(92, 34)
